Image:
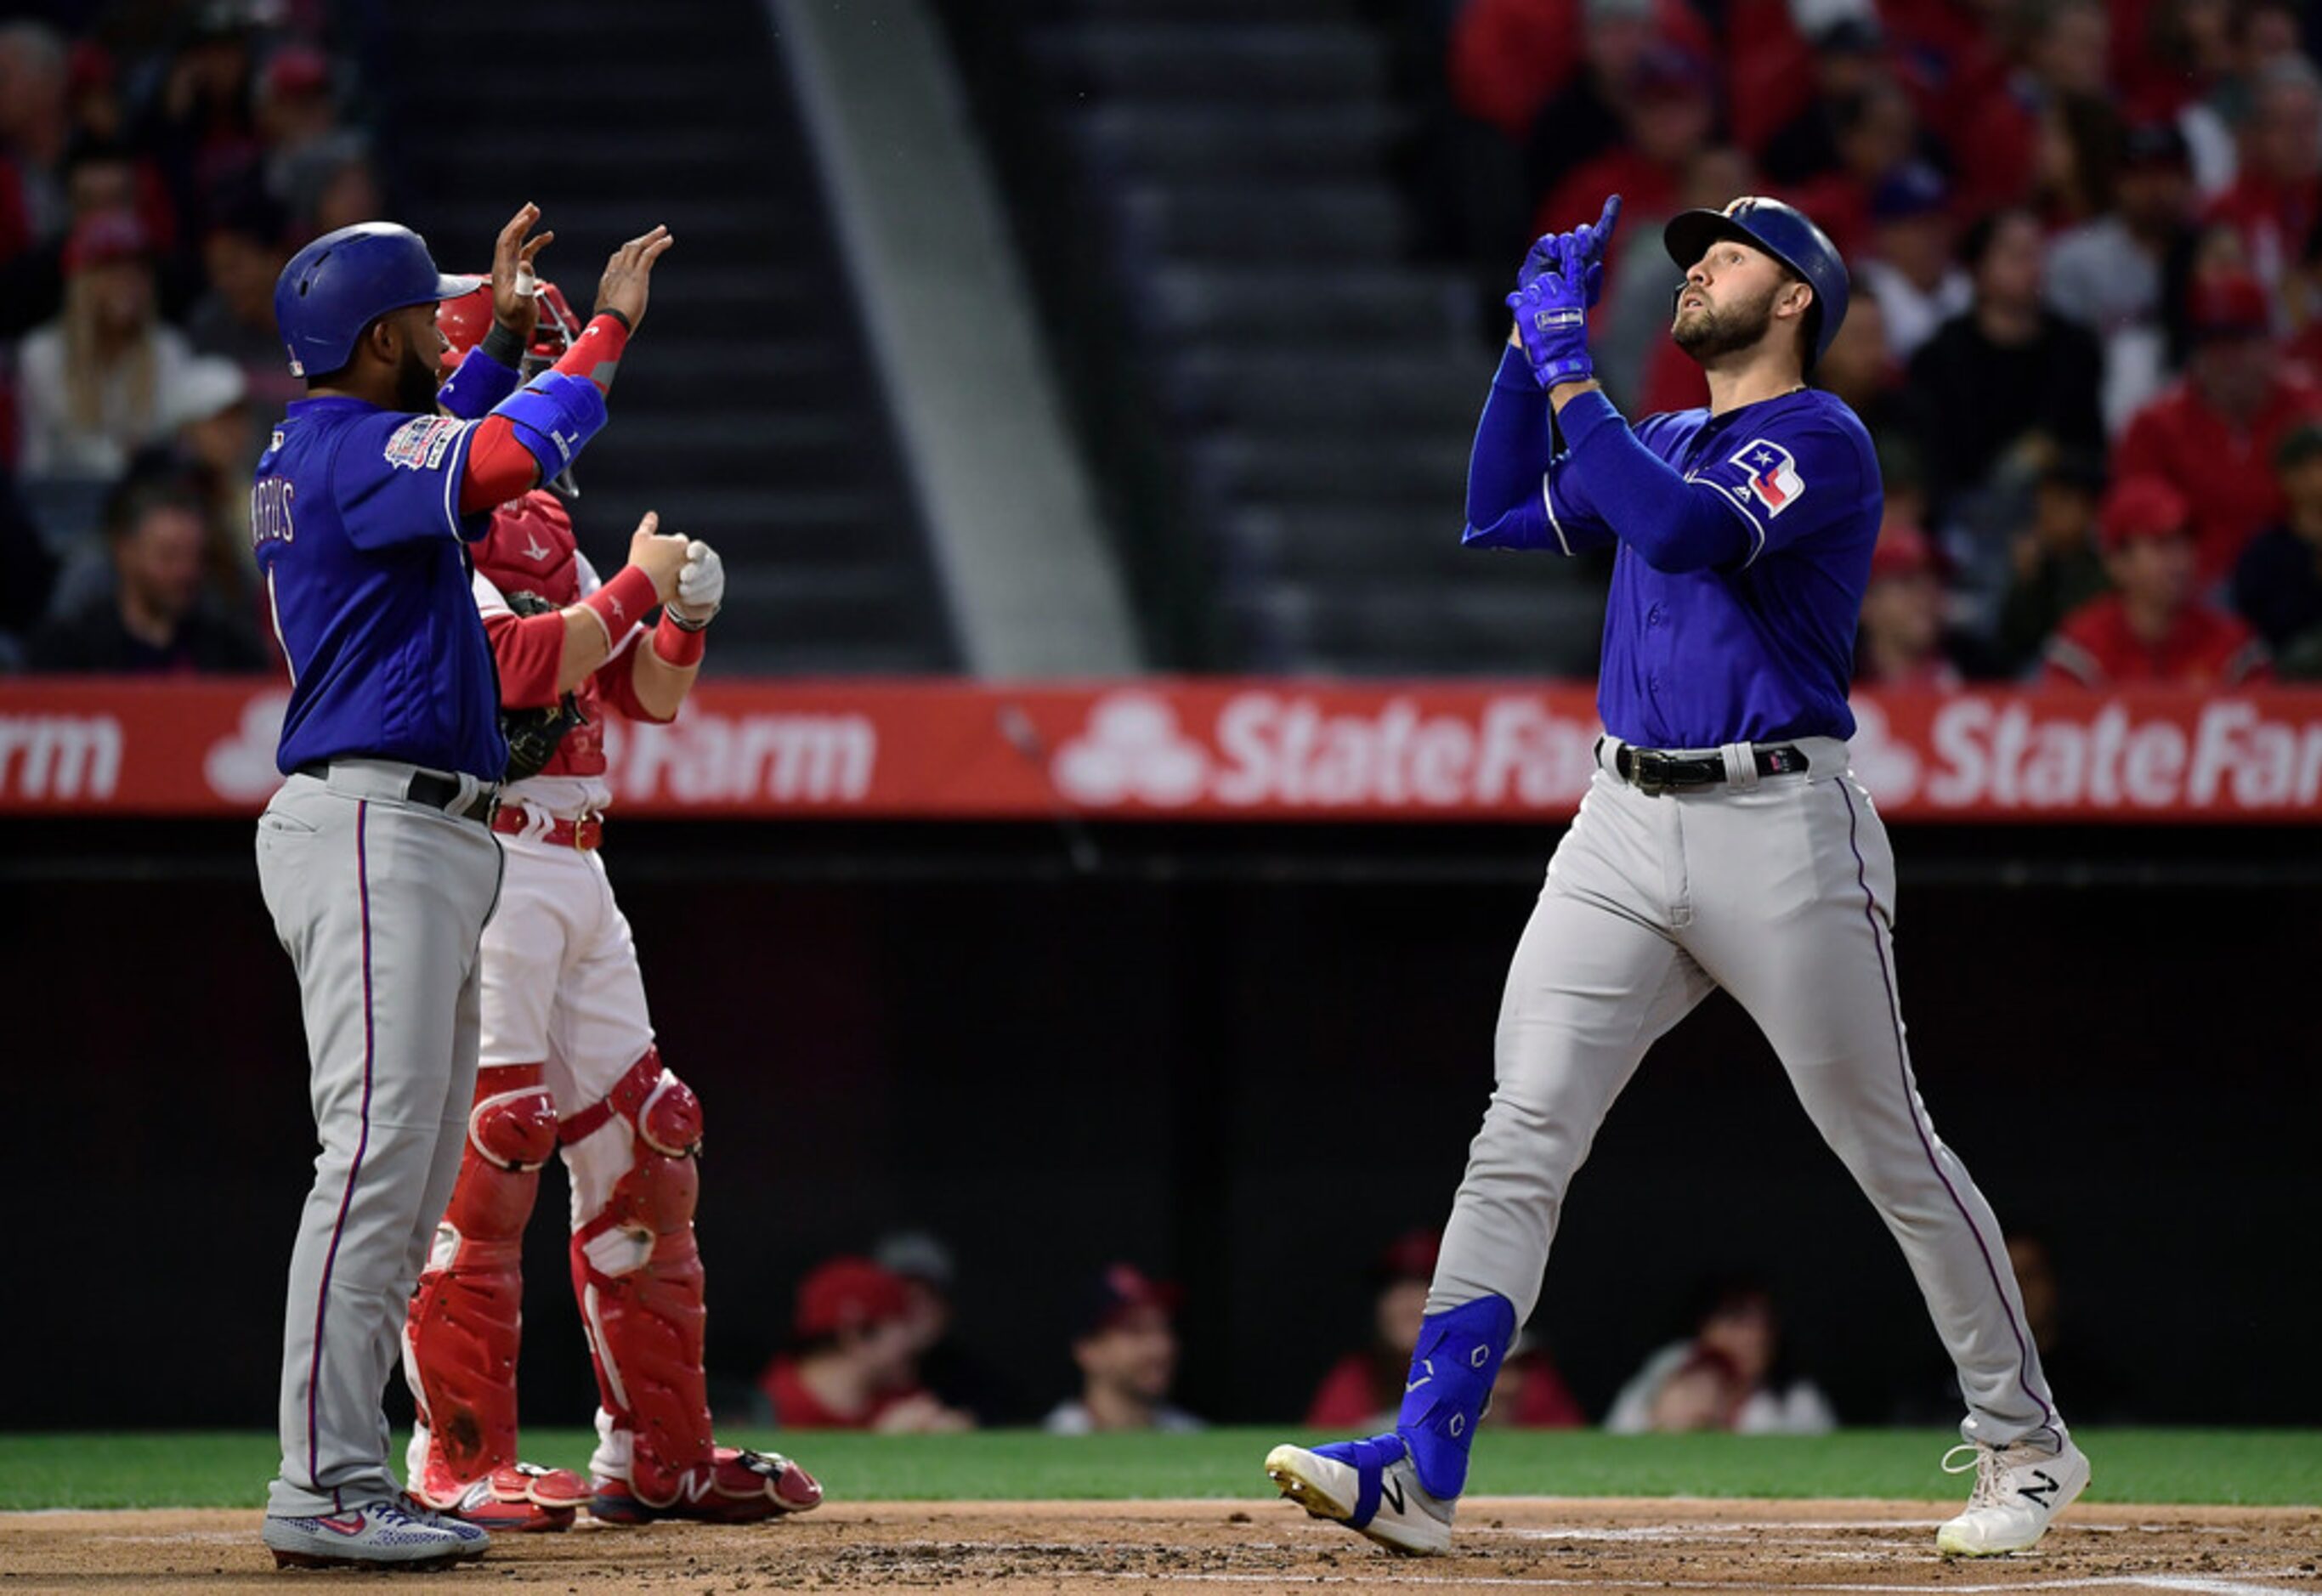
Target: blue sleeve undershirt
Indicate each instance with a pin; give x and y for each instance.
(1518, 492)
(1673, 524)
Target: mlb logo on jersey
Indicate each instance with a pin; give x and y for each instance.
(418, 444)
(1773, 474)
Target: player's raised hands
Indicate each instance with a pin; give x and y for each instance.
(659, 555)
(513, 283)
(1545, 256)
(628, 275)
(1551, 313)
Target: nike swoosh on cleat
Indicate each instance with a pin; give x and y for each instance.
(351, 1524)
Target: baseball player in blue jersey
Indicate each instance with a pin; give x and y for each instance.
(377, 857)
(1721, 843)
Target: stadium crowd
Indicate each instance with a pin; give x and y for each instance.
(2086, 241)
(155, 174)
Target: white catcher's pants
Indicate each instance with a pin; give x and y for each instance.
(1783, 894)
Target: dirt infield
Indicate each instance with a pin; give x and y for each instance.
(1081, 1549)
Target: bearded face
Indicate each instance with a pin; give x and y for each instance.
(1708, 331)
(420, 367)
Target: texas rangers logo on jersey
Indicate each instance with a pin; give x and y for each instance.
(418, 444)
(1774, 479)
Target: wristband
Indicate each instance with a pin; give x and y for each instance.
(505, 345)
(677, 644)
(624, 602)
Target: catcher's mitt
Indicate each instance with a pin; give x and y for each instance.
(532, 734)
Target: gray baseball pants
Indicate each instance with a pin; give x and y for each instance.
(380, 904)
(1781, 891)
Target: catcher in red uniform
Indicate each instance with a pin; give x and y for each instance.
(568, 1060)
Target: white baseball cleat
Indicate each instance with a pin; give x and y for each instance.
(2018, 1492)
(1370, 1487)
(390, 1532)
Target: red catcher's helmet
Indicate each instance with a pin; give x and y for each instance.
(465, 319)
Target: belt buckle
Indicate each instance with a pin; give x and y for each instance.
(1649, 772)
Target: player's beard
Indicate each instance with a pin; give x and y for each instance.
(1710, 332)
(416, 381)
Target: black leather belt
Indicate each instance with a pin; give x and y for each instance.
(1653, 772)
(425, 787)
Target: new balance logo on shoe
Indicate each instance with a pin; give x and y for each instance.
(2040, 1494)
(1391, 1491)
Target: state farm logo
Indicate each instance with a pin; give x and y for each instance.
(1291, 750)
(703, 757)
(240, 767)
(1132, 749)
(1886, 764)
(60, 756)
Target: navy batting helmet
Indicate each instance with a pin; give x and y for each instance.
(345, 280)
(1783, 231)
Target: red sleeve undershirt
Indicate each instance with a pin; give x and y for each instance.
(499, 466)
(528, 649)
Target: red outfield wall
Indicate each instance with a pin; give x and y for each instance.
(1211, 749)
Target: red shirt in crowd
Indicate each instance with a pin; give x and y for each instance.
(2273, 219)
(1646, 189)
(2206, 647)
(799, 1409)
(1509, 58)
(1352, 1393)
(2225, 471)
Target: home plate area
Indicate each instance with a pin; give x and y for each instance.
(1502, 1544)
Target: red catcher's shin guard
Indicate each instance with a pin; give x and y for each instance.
(462, 1334)
(638, 1276)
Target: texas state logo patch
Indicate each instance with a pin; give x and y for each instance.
(1773, 475)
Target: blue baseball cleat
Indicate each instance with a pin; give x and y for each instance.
(1372, 1487)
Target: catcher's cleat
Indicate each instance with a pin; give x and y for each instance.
(2018, 1492)
(392, 1532)
(523, 1498)
(1369, 1486)
(734, 1488)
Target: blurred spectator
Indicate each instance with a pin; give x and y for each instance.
(154, 618)
(2278, 584)
(1899, 642)
(27, 573)
(2008, 373)
(2098, 1387)
(1860, 369)
(930, 1274)
(1550, 74)
(855, 1365)
(2107, 273)
(2112, 273)
(2273, 204)
(213, 432)
(100, 382)
(2065, 53)
(2154, 627)
(34, 128)
(2055, 567)
(1847, 52)
(1912, 269)
(1877, 134)
(93, 101)
(1666, 111)
(242, 254)
(1365, 1388)
(2079, 157)
(2213, 435)
(1724, 1376)
(200, 125)
(1127, 1349)
(349, 191)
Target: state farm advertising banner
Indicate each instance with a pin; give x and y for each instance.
(1209, 749)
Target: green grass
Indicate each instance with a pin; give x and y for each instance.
(2236, 1467)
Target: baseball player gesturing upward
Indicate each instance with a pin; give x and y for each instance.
(376, 857)
(568, 1053)
(1721, 843)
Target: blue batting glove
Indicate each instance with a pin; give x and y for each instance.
(1595, 240)
(1551, 316)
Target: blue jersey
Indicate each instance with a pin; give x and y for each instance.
(1743, 543)
(355, 520)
